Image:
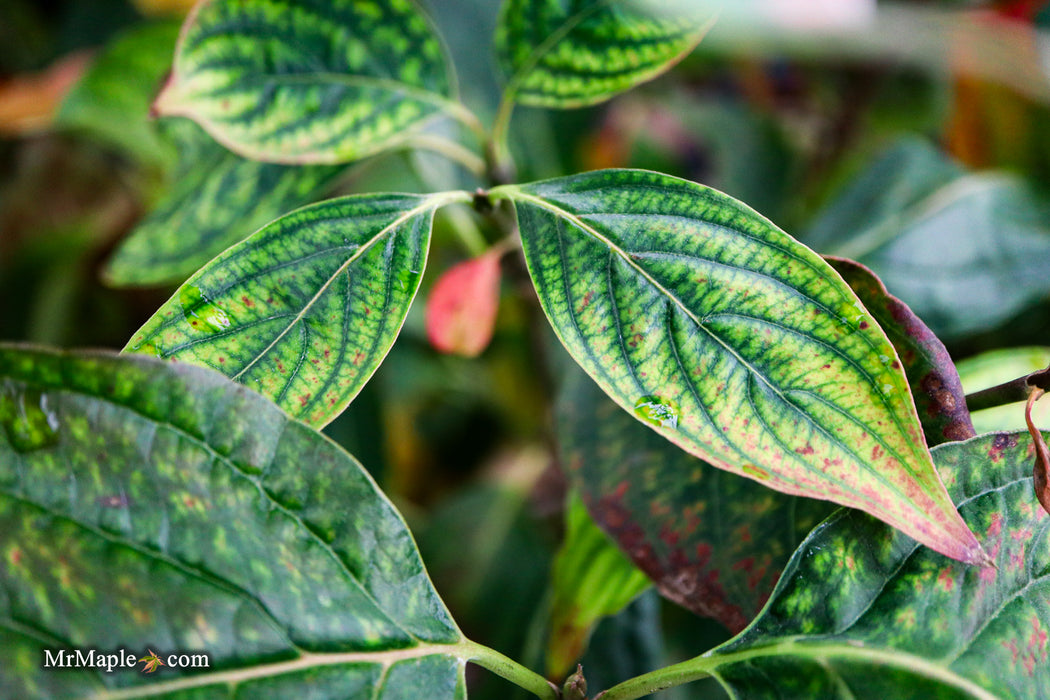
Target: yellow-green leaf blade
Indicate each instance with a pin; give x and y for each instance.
(734, 341)
(557, 56)
(305, 309)
(292, 81)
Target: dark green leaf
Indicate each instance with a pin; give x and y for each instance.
(155, 506)
(559, 54)
(113, 98)
(306, 308)
(865, 612)
(965, 252)
(713, 542)
(935, 385)
(592, 579)
(295, 81)
(215, 199)
(733, 341)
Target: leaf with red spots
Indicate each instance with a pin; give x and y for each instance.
(865, 612)
(304, 310)
(734, 341)
(461, 308)
(712, 542)
(934, 381)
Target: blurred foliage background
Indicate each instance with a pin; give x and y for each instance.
(911, 136)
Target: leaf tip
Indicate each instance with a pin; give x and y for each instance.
(165, 103)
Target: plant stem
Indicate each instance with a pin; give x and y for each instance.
(497, 151)
(464, 116)
(451, 150)
(466, 230)
(1009, 392)
(511, 670)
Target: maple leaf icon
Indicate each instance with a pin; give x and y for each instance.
(152, 662)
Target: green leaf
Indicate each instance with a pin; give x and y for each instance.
(215, 199)
(559, 54)
(935, 385)
(294, 81)
(591, 580)
(995, 367)
(865, 612)
(112, 100)
(964, 251)
(712, 542)
(733, 341)
(305, 309)
(159, 507)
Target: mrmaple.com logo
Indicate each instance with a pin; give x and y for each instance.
(121, 659)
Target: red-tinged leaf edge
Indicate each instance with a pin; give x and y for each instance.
(935, 385)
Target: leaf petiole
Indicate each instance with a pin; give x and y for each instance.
(507, 668)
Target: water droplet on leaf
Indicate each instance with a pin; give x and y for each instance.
(199, 312)
(28, 417)
(657, 411)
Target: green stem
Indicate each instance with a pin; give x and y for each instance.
(464, 116)
(511, 670)
(466, 230)
(497, 152)
(451, 150)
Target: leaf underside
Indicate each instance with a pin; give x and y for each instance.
(865, 612)
(733, 341)
(557, 56)
(296, 81)
(147, 504)
(305, 309)
(712, 542)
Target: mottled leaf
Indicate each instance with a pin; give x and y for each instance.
(735, 342)
(591, 580)
(306, 308)
(996, 367)
(295, 81)
(215, 199)
(712, 542)
(112, 100)
(935, 385)
(158, 507)
(461, 308)
(559, 54)
(866, 612)
(964, 251)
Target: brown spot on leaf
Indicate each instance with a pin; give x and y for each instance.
(1000, 442)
